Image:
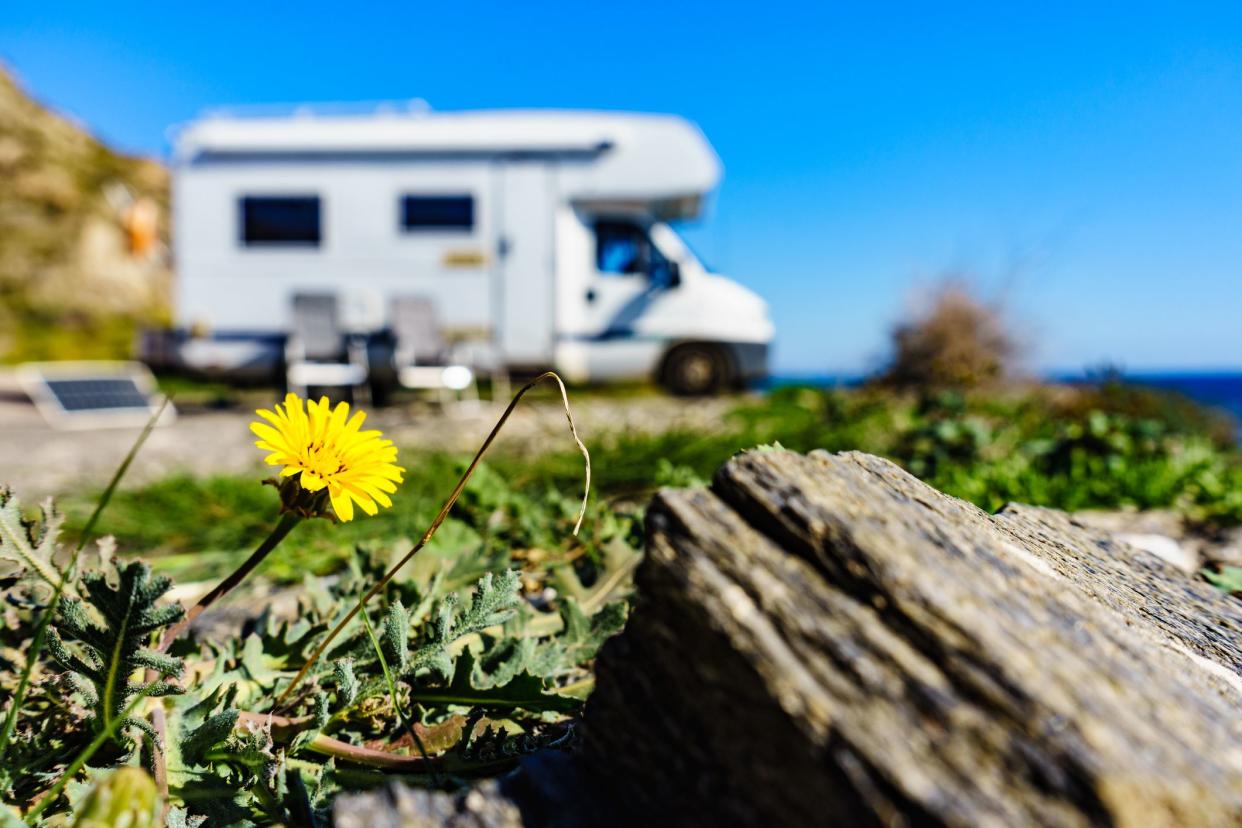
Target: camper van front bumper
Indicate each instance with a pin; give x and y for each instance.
(750, 360)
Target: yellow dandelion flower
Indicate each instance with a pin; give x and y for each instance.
(326, 447)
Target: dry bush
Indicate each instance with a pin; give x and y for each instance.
(957, 341)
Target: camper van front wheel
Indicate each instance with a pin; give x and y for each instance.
(692, 370)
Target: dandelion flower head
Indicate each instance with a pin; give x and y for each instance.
(328, 449)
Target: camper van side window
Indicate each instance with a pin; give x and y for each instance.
(438, 212)
(292, 220)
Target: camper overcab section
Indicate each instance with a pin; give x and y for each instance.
(545, 237)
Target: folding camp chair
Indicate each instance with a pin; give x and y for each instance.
(422, 357)
(318, 353)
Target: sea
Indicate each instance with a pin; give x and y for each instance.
(1221, 390)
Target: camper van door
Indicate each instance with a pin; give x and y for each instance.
(525, 293)
(620, 282)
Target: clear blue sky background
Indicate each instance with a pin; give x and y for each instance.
(1083, 166)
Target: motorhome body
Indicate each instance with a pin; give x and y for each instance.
(544, 233)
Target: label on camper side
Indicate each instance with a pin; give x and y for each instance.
(464, 258)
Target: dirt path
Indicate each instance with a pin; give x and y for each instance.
(38, 461)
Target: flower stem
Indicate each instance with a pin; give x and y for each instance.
(287, 521)
(444, 510)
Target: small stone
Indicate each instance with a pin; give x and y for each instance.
(1165, 548)
(400, 806)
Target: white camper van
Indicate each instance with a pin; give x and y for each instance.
(546, 234)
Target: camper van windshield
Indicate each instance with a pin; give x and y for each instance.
(620, 247)
(624, 248)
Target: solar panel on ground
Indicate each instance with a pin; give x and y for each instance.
(84, 394)
(91, 394)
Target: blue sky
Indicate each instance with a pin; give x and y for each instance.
(1083, 166)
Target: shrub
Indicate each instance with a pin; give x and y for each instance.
(958, 341)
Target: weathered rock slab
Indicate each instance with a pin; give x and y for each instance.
(823, 639)
(1197, 545)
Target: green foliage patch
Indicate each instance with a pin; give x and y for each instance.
(480, 654)
(481, 650)
(111, 651)
(1094, 447)
(1100, 447)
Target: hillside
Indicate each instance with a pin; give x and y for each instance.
(83, 237)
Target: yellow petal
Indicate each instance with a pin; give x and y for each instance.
(374, 493)
(339, 415)
(269, 434)
(343, 507)
(311, 481)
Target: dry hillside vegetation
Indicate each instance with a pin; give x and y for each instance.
(83, 236)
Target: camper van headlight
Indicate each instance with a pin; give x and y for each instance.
(457, 377)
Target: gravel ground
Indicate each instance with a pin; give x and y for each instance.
(38, 461)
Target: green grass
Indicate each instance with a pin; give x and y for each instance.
(1064, 448)
(199, 527)
(1053, 447)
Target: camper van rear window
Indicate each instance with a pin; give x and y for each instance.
(280, 220)
(440, 212)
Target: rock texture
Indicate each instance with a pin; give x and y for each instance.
(1196, 546)
(399, 806)
(825, 640)
(548, 789)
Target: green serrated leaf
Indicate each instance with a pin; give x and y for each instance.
(213, 731)
(322, 708)
(346, 682)
(111, 650)
(580, 638)
(501, 663)
(523, 691)
(394, 637)
(27, 548)
(493, 602)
